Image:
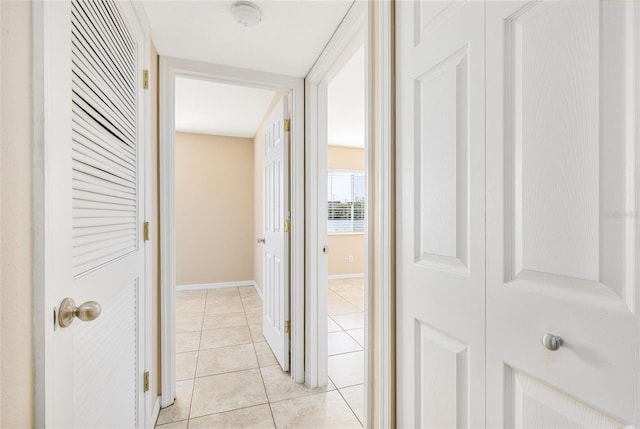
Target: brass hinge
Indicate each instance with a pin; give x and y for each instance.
(287, 124)
(145, 79)
(146, 231)
(146, 381)
(287, 327)
(287, 225)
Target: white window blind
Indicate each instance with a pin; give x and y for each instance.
(345, 196)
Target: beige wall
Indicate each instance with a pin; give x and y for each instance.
(341, 246)
(214, 209)
(16, 250)
(257, 195)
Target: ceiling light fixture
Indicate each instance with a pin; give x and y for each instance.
(246, 13)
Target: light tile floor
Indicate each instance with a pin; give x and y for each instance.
(228, 377)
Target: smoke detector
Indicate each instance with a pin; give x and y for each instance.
(246, 13)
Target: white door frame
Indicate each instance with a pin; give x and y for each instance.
(357, 27)
(170, 68)
(46, 28)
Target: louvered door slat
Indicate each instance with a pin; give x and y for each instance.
(104, 155)
(89, 128)
(104, 42)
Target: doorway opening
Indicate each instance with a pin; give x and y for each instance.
(345, 225)
(211, 215)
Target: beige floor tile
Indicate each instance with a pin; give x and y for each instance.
(227, 320)
(347, 369)
(188, 323)
(340, 285)
(247, 291)
(254, 317)
(226, 392)
(222, 293)
(223, 337)
(354, 396)
(187, 341)
(323, 410)
(256, 333)
(224, 305)
(280, 386)
(258, 417)
(341, 342)
(226, 359)
(332, 326)
(186, 365)
(354, 297)
(180, 408)
(339, 305)
(265, 354)
(350, 320)
(357, 334)
(184, 424)
(252, 303)
(190, 294)
(190, 308)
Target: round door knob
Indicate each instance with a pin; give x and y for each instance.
(552, 342)
(68, 311)
(261, 240)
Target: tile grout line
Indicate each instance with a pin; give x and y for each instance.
(255, 352)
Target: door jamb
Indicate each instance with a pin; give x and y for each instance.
(376, 19)
(345, 41)
(170, 68)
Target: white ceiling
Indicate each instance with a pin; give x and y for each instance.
(347, 104)
(289, 39)
(214, 108)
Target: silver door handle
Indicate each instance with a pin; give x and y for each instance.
(261, 240)
(552, 342)
(68, 311)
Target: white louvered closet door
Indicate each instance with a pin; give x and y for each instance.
(94, 153)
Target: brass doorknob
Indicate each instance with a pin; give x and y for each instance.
(68, 311)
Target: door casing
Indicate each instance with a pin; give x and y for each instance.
(170, 68)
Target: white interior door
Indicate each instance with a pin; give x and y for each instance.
(563, 83)
(441, 272)
(276, 236)
(93, 205)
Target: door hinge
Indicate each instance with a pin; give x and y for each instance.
(145, 79)
(287, 124)
(146, 231)
(287, 327)
(287, 225)
(146, 381)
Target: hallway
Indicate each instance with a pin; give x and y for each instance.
(227, 375)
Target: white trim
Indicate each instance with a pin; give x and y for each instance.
(258, 291)
(382, 268)
(344, 43)
(155, 413)
(345, 276)
(169, 69)
(219, 285)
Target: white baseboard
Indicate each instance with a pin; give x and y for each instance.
(258, 291)
(156, 412)
(346, 276)
(215, 285)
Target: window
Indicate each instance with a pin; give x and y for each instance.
(345, 193)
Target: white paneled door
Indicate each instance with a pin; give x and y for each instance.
(275, 167)
(518, 296)
(562, 214)
(441, 272)
(94, 249)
